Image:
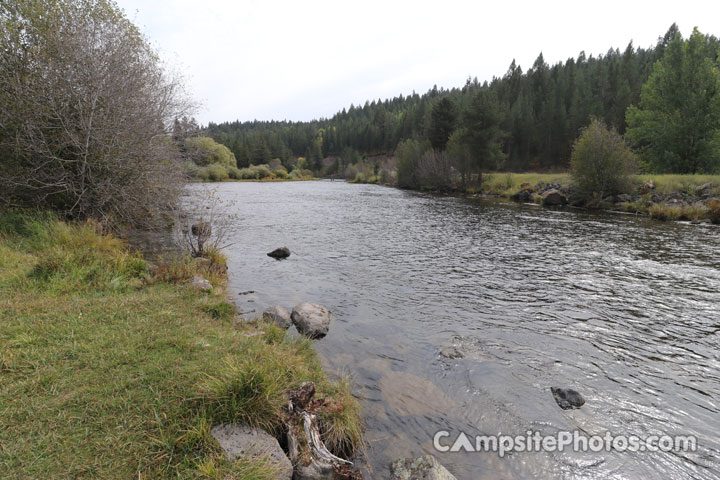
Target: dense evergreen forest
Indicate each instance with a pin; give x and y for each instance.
(541, 111)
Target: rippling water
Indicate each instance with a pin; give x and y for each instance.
(623, 309)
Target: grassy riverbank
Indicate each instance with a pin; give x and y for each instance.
(508, 184)
(664, 197)
(113, 368)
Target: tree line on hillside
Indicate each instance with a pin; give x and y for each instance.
(524, 120)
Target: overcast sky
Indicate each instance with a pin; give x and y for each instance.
(300, 60)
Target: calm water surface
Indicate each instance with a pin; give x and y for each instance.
(624, 309)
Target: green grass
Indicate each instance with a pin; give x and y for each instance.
(111, 370)
(507, 184)
(679, 183)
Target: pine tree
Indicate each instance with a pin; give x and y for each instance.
(442, 123)
(677, 124)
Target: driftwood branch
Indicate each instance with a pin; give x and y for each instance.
(320, 463)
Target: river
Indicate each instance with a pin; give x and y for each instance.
(624, 309)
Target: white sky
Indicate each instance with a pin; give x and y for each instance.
(300, 60)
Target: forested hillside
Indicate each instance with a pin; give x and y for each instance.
(541, 111)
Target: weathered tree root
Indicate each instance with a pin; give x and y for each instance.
(320, 463)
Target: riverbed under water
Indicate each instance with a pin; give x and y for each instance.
(624, 309)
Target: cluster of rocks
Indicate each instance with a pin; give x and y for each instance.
(241, 441)
(313, 321)
(310, 319)
(552, 194)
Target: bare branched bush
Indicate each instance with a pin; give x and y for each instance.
(435, 170)
(86, 108)
(206, 222)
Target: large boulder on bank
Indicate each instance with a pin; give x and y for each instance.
(624, 198)
(200, 283)
(237, 440)
(567, 398)
(311, 320)
(523, 196)
(279, 253)
(280, 316)
(421, 468)
(554, 197)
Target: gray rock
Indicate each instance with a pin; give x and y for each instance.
(311, 320)
(567, 398)
(450, 351)
(421, 468)
(237, 440)
(279, 253)
(624, 197)
(554, 197)
(314, 471)
(523, 196)
(609, 199)
(704, 190)
(201, 283)
(280, 316)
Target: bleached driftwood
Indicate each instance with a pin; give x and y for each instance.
(322, 464)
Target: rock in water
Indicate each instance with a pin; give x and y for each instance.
(451, 352)
(567, 398)
(237, 440)
(311, 320)
(279, 253)
(554, 197)
(421, 468)
(200, 283)
(280, 316)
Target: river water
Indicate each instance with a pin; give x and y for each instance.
(624, 309)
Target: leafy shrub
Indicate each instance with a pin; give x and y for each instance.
(234, 173)
(281, 173)
(714, 212)
(217, 173)
(408, 154)
(203, 174)
(255, 172)
(206, 151)
(601, 161)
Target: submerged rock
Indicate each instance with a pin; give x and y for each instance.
(421, 468)
(567, 398)
(311, 320)
(237, 440)
(279, 253)
(554, 197)
(278, 315)
(200, 283)
(450, 351)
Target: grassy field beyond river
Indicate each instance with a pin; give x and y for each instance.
(114, 368)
